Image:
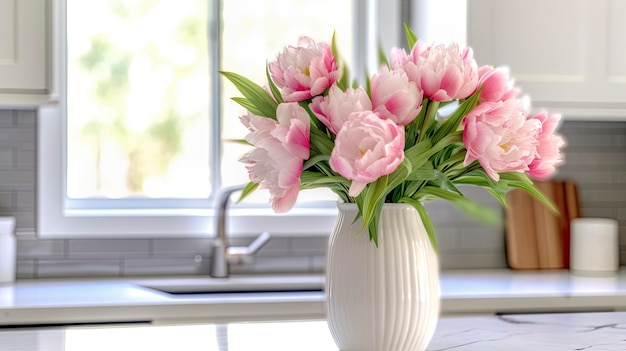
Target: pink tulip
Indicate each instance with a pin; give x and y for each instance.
(549, 148)
(496, 84)
(366, 148)
(394, 97)
(443, 72)
(281, 146)
(334, 109)
(399, 60)
(304, 71)
(500, 137)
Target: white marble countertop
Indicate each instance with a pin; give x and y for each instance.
(52, 302)
(594, 331)
(516, 332)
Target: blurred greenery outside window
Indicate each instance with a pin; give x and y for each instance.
(139, 92)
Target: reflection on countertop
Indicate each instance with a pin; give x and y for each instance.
(51, 302)
(515, 332)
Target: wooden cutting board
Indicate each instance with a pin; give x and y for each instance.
(536, 237)
(548, 226)
(521, 241)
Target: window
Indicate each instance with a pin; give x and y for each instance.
(137, 100)
(146, 167)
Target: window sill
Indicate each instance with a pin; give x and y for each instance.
(242, 222)
(25, 101)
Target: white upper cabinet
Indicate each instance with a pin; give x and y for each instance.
(568, 55)
(24, 64)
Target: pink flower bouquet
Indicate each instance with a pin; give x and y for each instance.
(387, 141)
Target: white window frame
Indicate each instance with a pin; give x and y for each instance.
(377, 22)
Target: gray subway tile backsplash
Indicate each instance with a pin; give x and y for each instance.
(473, 260)
(25, 269)
(275, 246)
(41, 248)
(310, 245)
(187, 247)
(78, 268)
(595, 156)
(6, 158)
(114, 248)
(159, 266)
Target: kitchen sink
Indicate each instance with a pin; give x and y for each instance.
(235, 284)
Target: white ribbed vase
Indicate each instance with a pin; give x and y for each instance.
(383, 298)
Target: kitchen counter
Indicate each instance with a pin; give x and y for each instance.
(54, 302)
(521, 332)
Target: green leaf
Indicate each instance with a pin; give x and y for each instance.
(449, 139)
(247, 190)
(419, 153)
(238, 141)
(373, 225)
(454, 160)
(308, 178)
(471, 208)
(248, 105)
(453, 122)
(429, 119)
(411, 38)
(273, 87)
(374, 194)
(445, 183)
(478, 177)
(428, 224)
(324, 182)
(477, 211)
(489, 182)
(344, 80)
(382, 57)
(412, 187)
(257, 96)
(320, 142)
(516, 176)
(472, 180)
(498, 195)
(440, 193)
(529, 188)
(314, 160)
(398, 176)
(425, 172)
(333, 46)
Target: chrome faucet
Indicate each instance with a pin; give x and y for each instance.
(221, 254)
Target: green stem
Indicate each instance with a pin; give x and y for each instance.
(471, 167)
(413, 127)
(454, 162)
(433, 106)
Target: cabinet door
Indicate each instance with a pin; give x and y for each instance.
(23, 66)
(561, 52)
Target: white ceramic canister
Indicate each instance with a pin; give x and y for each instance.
(594, 246)
(7, 249)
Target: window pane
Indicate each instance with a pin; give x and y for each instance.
(254, 32)
(138, 92)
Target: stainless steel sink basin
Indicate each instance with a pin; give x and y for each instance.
(236, 284)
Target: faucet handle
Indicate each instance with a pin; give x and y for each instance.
(239, 254)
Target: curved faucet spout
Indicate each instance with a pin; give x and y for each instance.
(221, 254)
